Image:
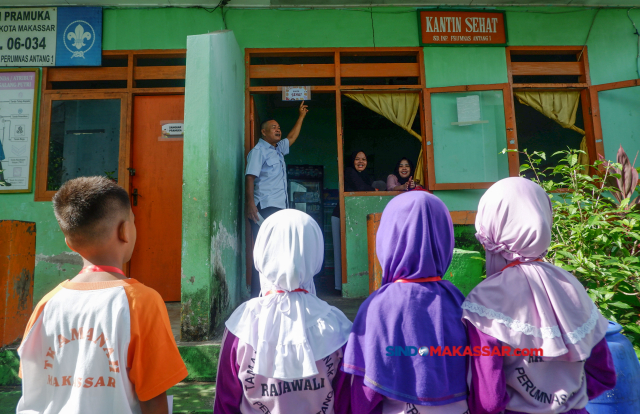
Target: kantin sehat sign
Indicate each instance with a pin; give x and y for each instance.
(462, 28)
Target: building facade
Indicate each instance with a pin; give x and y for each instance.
(222, 70)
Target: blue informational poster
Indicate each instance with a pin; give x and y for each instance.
(79, 41)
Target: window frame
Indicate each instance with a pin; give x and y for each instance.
(42, 168)
(595, 111)
(588, 95)
(511, 142)
(131, 73)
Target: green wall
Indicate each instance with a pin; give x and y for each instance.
(620, 117)
(213, 277)
(611, 48)
(356, 211)
(55, 262)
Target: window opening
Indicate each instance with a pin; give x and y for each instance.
(84, 140)
(536, 132)
(293, 82)
(160, 83)
(537, 57)
(115, 62)
(292, 60)
(345, 58)
(382, 81)
(161, 61)
(92, 84)
(383, 142)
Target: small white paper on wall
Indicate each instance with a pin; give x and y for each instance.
(468, 109)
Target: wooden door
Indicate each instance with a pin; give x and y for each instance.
(156, 190)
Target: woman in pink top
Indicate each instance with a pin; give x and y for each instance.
(528, 303)
(282, 351)
(402, 177)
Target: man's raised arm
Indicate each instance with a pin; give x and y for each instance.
(293, 135)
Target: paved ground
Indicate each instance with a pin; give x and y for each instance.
(188, 398)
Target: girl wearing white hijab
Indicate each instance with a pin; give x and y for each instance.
(281, 352)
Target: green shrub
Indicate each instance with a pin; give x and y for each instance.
(596, 231)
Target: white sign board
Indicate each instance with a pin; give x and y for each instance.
(296, 93)
(17, 107)
(28, 36)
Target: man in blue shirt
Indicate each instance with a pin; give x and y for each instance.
(266, 177)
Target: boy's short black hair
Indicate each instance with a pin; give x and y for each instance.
(85, 207)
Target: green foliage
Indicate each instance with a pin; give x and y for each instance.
(596, 232)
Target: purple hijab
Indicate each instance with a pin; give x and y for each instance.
(535, 304)
(415, 240)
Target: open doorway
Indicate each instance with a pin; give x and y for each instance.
(312, 167)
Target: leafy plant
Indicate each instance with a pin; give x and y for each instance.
(596, 231)
(111, 175)
(623, 177)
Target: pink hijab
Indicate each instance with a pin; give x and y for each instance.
(534, 304)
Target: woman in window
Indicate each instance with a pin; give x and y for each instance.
(402, 177)
(412, 310)
(355, 176)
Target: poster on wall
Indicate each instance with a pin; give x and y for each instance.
(17, 125)
(51, 36)
(462, 28)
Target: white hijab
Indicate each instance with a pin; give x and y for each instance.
(289, 331)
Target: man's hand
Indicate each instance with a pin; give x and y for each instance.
(252, 211)
(303, 110)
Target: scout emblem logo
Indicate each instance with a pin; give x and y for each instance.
(79, 38)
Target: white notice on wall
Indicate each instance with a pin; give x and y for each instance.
(28, 36)
(296, 93)
(468, 109)
(17, 92)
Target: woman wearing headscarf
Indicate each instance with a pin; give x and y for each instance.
(528, 303)
(414, 307)
(355, 176)
(281, 351)
(355, 179)
(402, 177)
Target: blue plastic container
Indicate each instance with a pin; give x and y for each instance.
(625, 397)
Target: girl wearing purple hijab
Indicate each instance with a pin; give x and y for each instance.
(413, 308)
(527, 303)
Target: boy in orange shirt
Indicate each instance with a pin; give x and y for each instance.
(99, 343)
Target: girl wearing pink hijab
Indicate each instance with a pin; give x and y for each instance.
(528, 303)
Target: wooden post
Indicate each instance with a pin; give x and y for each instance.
(375, 270)
(17, 263)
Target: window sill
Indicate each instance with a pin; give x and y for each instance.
(372, 193)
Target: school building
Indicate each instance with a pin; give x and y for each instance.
(176, 102)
